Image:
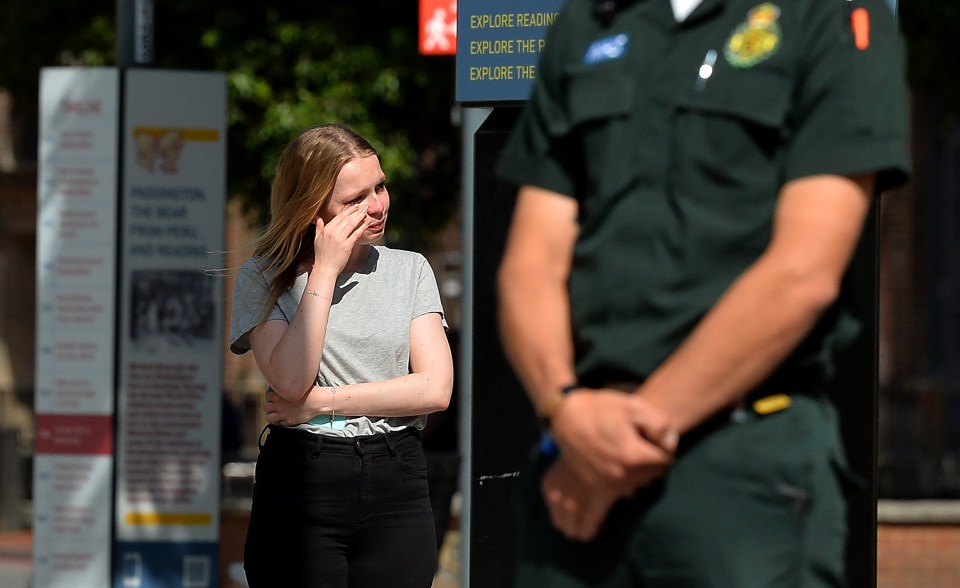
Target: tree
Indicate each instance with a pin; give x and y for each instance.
(289, 65)
(40, 34)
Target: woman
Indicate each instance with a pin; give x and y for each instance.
(350, 337)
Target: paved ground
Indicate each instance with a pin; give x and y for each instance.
(16, 551)
(448, 576)
(15, 563)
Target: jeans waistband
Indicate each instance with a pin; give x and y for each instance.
(361, 444)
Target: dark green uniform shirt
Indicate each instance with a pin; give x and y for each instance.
(676, 138)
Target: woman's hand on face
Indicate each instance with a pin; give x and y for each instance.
(334, 240)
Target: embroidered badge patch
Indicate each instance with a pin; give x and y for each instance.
(606, 49)
(756, 39)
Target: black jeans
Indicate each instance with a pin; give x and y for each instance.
(330, 512)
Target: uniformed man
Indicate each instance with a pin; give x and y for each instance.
(694, 177)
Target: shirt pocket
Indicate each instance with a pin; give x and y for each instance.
(600, 112)
(729, 138)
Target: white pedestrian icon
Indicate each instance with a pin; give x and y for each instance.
(440, 29)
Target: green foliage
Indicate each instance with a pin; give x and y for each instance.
(39, 34)
(289, 65)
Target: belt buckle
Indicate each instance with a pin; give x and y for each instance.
(763, 406)
(771, 404)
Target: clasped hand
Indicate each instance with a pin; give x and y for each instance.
(280, 411)
(612, 443)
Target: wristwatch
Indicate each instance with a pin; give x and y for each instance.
(547, 447)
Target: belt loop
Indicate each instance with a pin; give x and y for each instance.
(317, 447)
(388, 441)
(260, 437)
(740, 413)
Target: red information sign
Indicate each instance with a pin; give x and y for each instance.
(438, 27)
(74, 434)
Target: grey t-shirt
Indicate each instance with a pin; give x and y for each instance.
(368, 333)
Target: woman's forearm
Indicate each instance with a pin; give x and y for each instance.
(289, 357)
(407, 395)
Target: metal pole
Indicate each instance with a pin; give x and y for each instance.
(134, 33)
(472, 118)
(134, 44)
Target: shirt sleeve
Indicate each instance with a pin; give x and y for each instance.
(250, 293)
(427, 298)
(850, 116)
(538, 151)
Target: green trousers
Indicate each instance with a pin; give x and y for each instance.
(754, 502)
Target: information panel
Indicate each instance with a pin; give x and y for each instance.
(127, 466)
(76, 277)
(498, 47)
(171, 350)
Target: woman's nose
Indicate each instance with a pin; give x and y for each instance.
(374, 205)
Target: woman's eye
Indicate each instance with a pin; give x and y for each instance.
(381, 187)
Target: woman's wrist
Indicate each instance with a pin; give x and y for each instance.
(319, 288)
(323, 403)
(323, 273)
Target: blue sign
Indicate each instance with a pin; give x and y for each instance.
(162, 564)
(498, 47)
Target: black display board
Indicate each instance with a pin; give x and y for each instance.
(503, 426)
(856, 392)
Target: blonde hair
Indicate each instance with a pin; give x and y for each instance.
(304, 178)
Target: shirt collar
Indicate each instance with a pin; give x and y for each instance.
(683, 8)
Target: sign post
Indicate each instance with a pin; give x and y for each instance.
(170, 336)
(76, 272)
(129, 327)
(498, 46)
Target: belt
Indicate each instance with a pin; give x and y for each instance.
(765, 399)
(771, 397)
(380, 442)
(768, 398)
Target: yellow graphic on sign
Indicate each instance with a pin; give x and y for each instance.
(160, 148)
(153, 519)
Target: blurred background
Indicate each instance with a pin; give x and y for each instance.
(292, 64)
